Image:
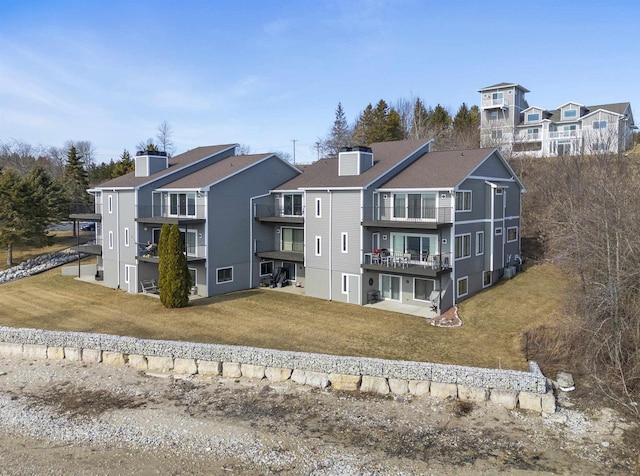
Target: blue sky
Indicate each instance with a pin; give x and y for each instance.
(262, 73)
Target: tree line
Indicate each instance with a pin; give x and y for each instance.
(408, 119)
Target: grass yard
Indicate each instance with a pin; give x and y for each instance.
(491, 335)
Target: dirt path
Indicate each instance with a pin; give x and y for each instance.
(71, 418)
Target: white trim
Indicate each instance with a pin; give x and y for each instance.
(485, 220)
(260, 268)
(455, 201)
(480, 249)
(126, 236)
(318, 209)
(344, 242)
(227, 281)
(490, 279)
(318, 246)
(110, 240)
(491, 179)
(413, 295)
(517, 234)
(464, 278)
(344, 283)
(498, 231)
(110, 203)
(392, 276)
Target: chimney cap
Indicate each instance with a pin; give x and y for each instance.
(151, 152)
(356, 148)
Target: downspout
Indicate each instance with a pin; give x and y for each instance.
(493, 217)
(330, 246)
(117, 195)
(251, 248)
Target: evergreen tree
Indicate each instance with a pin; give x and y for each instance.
(361, 131)
(48, 199)
(125, 165)
(76, 178)
(174, 277)
(420, 122)
(379, 124)
(339, 137)
(15, 212)
(466, 127)
(439, 119)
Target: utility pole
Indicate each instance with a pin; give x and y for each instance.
(294, 150)
(318, 149)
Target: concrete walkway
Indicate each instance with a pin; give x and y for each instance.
(419, 311)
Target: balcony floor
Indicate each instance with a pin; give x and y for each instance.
(282, 255)
(416, 225)
(411, 270)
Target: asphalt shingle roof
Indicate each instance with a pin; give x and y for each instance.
(324, 172)
(180, 160)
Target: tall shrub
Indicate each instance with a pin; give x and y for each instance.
(174, 278)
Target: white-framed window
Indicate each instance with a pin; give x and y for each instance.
(194, 276)
(110, 203)
(266, 268)
(292, 204)
(292, 239)
(182, 204)
(463, 201)
(224, 275)
(569, 113)
(599, 124)
(493, 115)
(496, 134)
(344, 242)
(512, 234)
(345, 283)
(486, 279)
(126, 274)
(418, 247)
(533, 117)
(414, 206)
(463, 246)
(479, 243)
(499, 191)
(462, 286)
(110, 240)
(422, 289)
(532, 133)
(318, 246)
(499, 231)
(318, 208)
(126, 236)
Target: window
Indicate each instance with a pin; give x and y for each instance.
(486, 279)
(344, 242)
(182, 204)
(126, 237)
(512, 234)
(318, 208)
(463, 201)
(266, 268)
(463, 246)
(499, 191)
(126, 274)
(292, 204)
(419, 247)
(194, 276)
(224, 275)
(345, 283)
(533, 117)
(290, 268)
(599, 124)
(318, 246)
(189, 239)
(498, 231)
(479, 243)
(463, 287)
(493, 115)
(421, 206)
(532, 133)
(110, 240)
(292, 239)
(496, 134)
(422, 289)
(110, 203)
(569, 113)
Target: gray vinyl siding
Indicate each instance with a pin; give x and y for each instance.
(317, 267)
(492, 167)
(230, 218)
(121, 217)
(479, 200)
(345, 219)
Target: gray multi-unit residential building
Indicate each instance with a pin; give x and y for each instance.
(393, 222)
(508, 122)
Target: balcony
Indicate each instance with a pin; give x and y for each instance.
(574, 134)
(431, 266)
(148, 252)
(524, 137)
(494, 103)
(270, 214)
(285, 251)
(184, 214)
(93, 247)
(416, 218)
(85, 212)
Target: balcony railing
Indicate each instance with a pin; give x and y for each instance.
(494, 102)
(575, 134)
(85, 208)
(163, 211)
(287, 247)
(407, 260)
(268, 211)
(527, 137)
(150, 250)
(410, 214)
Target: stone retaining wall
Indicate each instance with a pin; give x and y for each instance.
(510, 388)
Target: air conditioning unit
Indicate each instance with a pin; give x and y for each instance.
(509, 272)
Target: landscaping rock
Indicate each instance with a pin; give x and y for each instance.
(472, 394)
(185, 366)
(8, 349)
(138, 361)
(231, 370)
(548, 401)
(377, 385)
(565, 381)
(72, 353)
(419, 388)
(92, 356)
(506, 398)
(55, 353)
(159, 364)
(252, 371)
(317, 379)
(33, 351)
(530, 401)
(206, 367)
(348, 383)
(299, 376)
(444, 390)
(277, 374)
(113, 358)
(39, 264)
(398, 386)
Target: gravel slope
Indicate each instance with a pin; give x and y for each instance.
(70, 417)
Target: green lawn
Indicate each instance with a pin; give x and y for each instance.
(493, 321)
